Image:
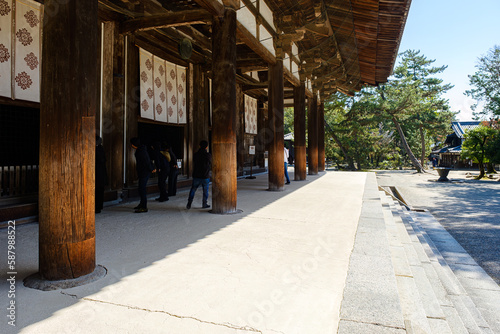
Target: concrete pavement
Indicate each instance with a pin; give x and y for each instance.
(327, 255)
(280, 266)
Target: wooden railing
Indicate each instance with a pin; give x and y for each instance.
(18, 180)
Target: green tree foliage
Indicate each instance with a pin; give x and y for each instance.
(413, 97)
(486, 84)
(479, 146)
(288, 120)
(357, 135)
(408, 112)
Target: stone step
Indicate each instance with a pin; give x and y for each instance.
(421, 308)
(371, 301)
(446, 304)
(481, 295)
(439, 282)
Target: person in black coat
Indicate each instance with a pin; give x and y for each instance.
(144, 170)
(174, 171)
(163, 169)
(101, 175)
(202, 164)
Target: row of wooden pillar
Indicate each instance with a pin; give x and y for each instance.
(70, 82)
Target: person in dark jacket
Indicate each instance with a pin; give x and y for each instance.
(202, 164)
(144, 170)
(163, 169)
(174, 171)
(101, 175)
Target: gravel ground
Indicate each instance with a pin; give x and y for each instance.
(468, 209)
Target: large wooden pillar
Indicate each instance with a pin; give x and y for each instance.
(112, 103)
(299, 129)
(260, 139)
(132, 98)
(198, 119)
(321, 137)
(276, 126)
(312, 134)
(68, 104)
(224, 112)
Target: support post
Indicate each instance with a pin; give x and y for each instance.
(224, 188)
(276, 126)
(198, 120)
(321, 137)
(312, 129)
(299, 129)
(69, 90)
(132, 96)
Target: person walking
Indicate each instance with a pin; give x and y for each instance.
(286, 165)
(202, 164)
(163, 169)
(101, 174)
(144, 170)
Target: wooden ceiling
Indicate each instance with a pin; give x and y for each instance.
(342, 44)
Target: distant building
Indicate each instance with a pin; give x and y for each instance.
(449, 156)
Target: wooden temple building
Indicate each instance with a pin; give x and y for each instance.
(177, 71)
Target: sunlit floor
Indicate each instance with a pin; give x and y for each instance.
(279, 266)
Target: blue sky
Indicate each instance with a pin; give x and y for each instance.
(454, 33)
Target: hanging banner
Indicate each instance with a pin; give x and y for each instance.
(250, 115)
(172, 103)
(27, 59)
(6, 48)
(163, 89)
(181, 94)
(160, 94)
(147, 88)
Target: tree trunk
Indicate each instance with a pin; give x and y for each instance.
(491, 168)
(422, 142)
(481, 170)
(407, 148)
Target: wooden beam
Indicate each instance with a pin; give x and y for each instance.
(201, 40)
(173, 19)
(234, 4)
(213, 6)
(244, 35)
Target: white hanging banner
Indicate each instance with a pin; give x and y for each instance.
(172, 103)
(27, 59)
(147, 88)
(6, 48)
(181, 94)
(160, 96)
(250, 115)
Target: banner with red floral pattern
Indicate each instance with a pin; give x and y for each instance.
(163, 89)
(20, 50)
(27, 59)
(181, 94)
(160, 94)
(147, 89)
(250, 115)
(172, 102)
(6, 48)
